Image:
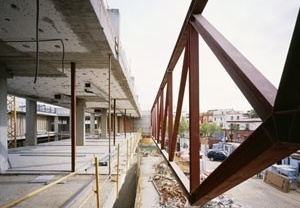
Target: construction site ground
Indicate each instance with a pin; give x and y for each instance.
(33, 168)
(252, 193)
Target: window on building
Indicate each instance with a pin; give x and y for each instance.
(247, 126)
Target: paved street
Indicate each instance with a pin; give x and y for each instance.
(255, 193)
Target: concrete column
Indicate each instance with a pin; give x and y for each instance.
(56, 128)
(80, 124)
(92, 123)
(3, 121)
(31, 123)
(103, 123)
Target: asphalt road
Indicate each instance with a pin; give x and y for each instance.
(254, 193)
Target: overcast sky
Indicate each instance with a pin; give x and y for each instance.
(260, 29)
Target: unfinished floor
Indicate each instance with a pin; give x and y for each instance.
(32, 168)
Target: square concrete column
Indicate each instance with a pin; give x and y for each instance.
(56, 128)
(103, 123)
(80, 122)
(3, 121)
(31, 123)
(92, 123)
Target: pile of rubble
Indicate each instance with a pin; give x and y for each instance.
(221, 201)
(171, 194)
(169, 191)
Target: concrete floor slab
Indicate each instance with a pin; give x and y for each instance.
(37, 163)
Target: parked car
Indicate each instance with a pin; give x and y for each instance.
(216, 155)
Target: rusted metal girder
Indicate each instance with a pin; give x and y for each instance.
(164, 123)
(157, 120)
(288, 96)
(193, 51)
(183, 77)
(256, 88)
(276, 138)
(161, 114)
(73, 116)
(114, 120)
(125, 126)
(196, 7)
(170, 107)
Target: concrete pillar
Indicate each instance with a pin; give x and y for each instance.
(3, 121)
(31, 123)
(80, 124)
(92, 123)
(56, 128)
(103, 123)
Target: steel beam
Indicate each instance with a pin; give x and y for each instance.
(170, 108)
(193, 53)
(73, 116)
(183, 78)
(125, 124)
(157, 120)
(161, 115)
(276, 138)
(255, 154)
(114, 123)
(164, 124)
(196, 7)
(259, 91)
(288, 96)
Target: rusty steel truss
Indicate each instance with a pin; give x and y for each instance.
(278, 135)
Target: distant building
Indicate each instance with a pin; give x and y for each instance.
(235, 125)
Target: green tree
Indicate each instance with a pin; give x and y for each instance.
(252, 114)
(183, 126)
(234, 127)
(207, 129)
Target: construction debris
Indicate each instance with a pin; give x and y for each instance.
(220, 202)
(169, 191)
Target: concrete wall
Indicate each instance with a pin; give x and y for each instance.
(143, 123)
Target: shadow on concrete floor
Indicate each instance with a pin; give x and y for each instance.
(128, 191)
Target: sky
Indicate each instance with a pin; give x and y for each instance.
(260, 30)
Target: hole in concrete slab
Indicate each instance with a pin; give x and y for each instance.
(57, 46)
(41, 30)
(7, 19)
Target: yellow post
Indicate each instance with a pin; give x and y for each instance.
(118, 169)
(97, 182)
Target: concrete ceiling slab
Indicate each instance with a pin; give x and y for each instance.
(69, 31)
